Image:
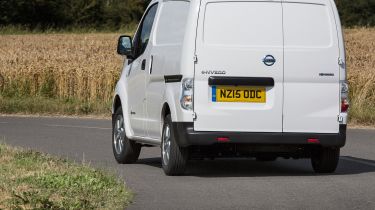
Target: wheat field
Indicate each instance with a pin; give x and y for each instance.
(82, 66)
(360, 54)
(85, 68)
(58, 73)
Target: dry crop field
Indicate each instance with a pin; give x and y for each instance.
(360, 49)
(76, 73)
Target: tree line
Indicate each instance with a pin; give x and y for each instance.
(356, 12)
(116, 14)
(62, 14)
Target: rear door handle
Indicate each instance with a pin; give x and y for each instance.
(143, 66)
(242, 81)
(151, 62)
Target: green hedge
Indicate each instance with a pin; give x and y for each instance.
(357, 12)
(66, 14)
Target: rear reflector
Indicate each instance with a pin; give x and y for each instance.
(313, 141)
(222, 139)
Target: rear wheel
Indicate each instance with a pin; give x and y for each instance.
(173, 157)
(125, 150)
(325, 160)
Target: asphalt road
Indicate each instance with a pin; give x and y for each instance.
(218, 184)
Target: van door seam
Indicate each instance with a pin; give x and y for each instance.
(283, 66)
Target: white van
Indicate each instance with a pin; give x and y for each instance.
(241, 78)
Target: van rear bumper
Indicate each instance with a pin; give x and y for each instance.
(186, 136)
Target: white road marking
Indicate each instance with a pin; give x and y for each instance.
(74, 126)
(358, 161)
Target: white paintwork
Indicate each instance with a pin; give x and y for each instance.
(236, 42)
(136, 83)
(145, 92)
(304, 36)
(311, 102)
(166, 56)
(137, 96)
(171, 23)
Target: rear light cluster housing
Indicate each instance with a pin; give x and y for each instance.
(187, 94)
(344, 97)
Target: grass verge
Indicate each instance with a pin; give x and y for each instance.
(31, 180)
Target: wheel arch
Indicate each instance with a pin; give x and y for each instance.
(116, 103)
(164, 113)
(120, 100)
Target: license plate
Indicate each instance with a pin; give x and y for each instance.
(239, 94)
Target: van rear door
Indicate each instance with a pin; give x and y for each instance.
(239, 43)
(311, 69)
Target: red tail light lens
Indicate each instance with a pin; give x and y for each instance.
(344, 97)
(344, 105)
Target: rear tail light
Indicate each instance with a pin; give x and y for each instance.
(187, 94)
(344, 97)
(344, 105)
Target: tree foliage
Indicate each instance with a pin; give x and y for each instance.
(357, 13)
(43, 14)
(115, 14)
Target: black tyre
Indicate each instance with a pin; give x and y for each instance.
(125, 150)
(173, 157)
(325, 160)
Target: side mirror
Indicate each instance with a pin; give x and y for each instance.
(124, 46)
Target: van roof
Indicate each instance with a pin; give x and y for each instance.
(154, 1)
(300, 1)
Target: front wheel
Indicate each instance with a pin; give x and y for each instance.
(325, 160)
(173, 157)
(125, 150)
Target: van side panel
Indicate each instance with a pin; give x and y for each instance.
(311, 70)
(166, 60)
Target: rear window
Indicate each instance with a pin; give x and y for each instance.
(243, 24)
(307, 25)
